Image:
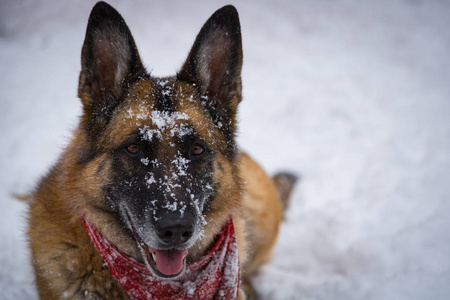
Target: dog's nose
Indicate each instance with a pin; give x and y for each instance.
(174, 231)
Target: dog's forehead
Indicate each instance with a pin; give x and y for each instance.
(161, 108)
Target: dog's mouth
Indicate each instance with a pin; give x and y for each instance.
(166, 264)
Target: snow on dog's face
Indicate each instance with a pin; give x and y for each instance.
(165, 170)
(164, 146)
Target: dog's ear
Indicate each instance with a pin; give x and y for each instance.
(215, 62)
(109, 62)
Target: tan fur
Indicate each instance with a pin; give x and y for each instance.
(262, 208)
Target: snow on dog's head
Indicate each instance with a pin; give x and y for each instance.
(166, 145)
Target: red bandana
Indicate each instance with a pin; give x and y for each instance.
(215, 276)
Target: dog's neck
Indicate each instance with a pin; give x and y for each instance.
(214, 276)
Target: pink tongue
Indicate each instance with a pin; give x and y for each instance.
(170, 262)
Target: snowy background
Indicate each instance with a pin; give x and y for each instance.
(354, 96)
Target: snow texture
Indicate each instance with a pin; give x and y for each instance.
(353, 96)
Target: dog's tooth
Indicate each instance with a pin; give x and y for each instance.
(154, 256)
(184, 255)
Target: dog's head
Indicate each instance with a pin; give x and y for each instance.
(158, 154)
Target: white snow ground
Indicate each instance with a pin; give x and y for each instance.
(354, 96)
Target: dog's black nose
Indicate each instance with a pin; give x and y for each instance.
(174, 230)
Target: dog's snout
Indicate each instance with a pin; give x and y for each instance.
(174, 231)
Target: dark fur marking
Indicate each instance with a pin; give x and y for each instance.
(56, 257)
(163, 95)
(103, 209)
(86, 154)
(71, 245)
(100, 168)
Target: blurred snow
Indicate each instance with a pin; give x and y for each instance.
(354, 96)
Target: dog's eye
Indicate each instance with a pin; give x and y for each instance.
(197, 150)
(133, 149)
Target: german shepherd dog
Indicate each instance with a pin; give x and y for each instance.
(153, 168)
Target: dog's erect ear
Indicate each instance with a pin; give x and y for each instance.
(215, 61)
(109, 61)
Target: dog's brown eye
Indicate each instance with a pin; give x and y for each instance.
(133, 149)
(197, 150)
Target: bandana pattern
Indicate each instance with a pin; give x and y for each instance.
(214, 276)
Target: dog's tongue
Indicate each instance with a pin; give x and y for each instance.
(170, 262)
